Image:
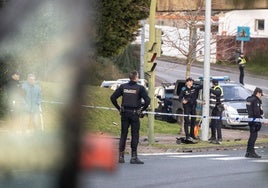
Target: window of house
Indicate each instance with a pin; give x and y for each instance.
(259, 25)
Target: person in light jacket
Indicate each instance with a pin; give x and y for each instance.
(33, 98)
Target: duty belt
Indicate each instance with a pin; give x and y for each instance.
(124, 109)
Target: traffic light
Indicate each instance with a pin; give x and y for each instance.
(158, 41)
(149, 57)
(153, 50)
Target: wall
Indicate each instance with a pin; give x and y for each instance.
(229, 21)
(178, 5)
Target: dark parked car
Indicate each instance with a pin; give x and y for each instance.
(164, 95)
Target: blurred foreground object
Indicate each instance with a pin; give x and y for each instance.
(98, 152)
(55, 40)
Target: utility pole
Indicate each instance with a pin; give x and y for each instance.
(149, 66)
(206, 84)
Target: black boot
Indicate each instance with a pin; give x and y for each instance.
(121, 157)
(256, 155)
(134, 158)
(252, 154)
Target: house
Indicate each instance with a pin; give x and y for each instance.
(228, 45)
(224, 26)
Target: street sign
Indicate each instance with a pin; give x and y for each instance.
(243, 33)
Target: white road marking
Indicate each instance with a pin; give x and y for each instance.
(199, 156)
(229, 158)
(260, 161)
(150, 154)
(219, 157)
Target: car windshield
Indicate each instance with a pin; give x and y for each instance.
(235, 93)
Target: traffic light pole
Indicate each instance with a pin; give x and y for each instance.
(151, 74)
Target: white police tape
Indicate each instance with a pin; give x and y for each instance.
(237, 119)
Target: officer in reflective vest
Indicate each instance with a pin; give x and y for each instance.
(131, 109)
(216, 98)
(241, 63)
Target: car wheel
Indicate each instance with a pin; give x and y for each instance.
(180, 119)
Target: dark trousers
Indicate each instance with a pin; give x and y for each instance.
(215, 124)
(189, 110)
(129, 119)
(241, 77)
(252, 137)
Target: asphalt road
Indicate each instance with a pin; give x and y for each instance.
(218, 169)
(193, 170)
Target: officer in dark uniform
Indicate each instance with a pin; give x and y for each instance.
(254, 107)
(131, 109)
(188, 97)
(216, 98)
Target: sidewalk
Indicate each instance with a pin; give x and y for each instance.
(232, 139)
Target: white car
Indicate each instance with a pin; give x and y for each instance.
(234, 95)
(108, 84)
(142, 82)
(234, 102)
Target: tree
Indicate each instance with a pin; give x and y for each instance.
(188, 36)
(185, 37)
(118, 23)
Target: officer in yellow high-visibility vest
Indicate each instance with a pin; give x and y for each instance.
(241, 63)
(215, 103)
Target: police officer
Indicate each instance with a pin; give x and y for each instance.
(241, 64)
(131, 109)
(254, 107)
(188, 97)
(216, 98)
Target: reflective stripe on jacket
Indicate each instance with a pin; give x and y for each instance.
(216, 97)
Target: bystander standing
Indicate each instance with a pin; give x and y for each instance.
(33, 98)
(15, 99)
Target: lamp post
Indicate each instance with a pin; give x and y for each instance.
(205, 121)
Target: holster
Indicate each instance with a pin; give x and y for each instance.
(255, 127)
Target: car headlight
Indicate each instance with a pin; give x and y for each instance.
(231, 114)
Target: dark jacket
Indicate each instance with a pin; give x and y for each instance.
(15, 93)
(254, 107)
(131, 93)
(190, 94)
